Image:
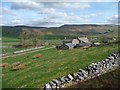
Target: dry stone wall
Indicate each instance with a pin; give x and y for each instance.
(89, 72)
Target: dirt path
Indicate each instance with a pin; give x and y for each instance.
(14, 55)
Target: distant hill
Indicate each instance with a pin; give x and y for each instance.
(84, 29)
(14, 31)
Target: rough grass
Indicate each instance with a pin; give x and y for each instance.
(10, 50)
(52, 64)
(9, 39)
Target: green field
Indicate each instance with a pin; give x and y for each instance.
(53, 64)
(9, 42)
(9, 39)
(10, 50)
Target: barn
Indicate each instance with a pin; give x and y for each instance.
(75, 43)
(69, 45)
(66, 46)
(84, 40)
(82, 45)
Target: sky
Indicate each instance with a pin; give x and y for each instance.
(55, 14)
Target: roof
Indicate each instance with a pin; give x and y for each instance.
(70, 45)
(84, 44)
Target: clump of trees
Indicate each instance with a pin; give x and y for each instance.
(31, 37)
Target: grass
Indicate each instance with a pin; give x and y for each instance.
(8, 44)
(10, 50)
(9, 39)
(52, 64)
(8, 47)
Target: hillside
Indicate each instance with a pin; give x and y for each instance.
(74, 30)
(14, 31)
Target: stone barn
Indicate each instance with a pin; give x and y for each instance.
(84, 40)
(69, 45)
(75, 43)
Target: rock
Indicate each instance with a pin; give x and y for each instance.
(47, 87)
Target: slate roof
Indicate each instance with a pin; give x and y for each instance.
(70, 45)
(84, 44)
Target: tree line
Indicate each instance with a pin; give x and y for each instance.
(30, 37)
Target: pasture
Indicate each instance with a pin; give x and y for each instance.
(9, 39)
(7, 44)
(53, 64)
(10, 50)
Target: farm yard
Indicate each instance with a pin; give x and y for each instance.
(40, 67)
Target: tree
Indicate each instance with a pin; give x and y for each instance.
(25, 35)
(36, 37)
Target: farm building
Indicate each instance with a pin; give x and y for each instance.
(74, 43)
(84, 40)
(69, 45)
(82, 45)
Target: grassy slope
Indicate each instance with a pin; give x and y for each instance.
(52, 64)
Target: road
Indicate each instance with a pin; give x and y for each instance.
(14, 55)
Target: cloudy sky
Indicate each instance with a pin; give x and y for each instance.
(51, 14)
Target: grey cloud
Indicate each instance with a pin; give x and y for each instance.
(113, 19)
(25, 5)
(45, 23)
(66, 5)
(34, 6)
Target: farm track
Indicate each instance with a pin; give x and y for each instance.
(14, 55)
